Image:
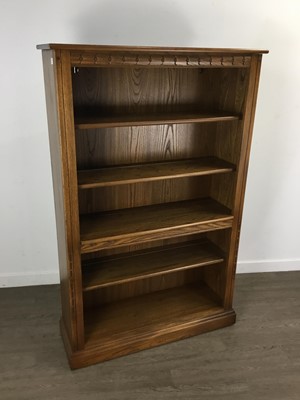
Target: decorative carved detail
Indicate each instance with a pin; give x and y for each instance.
(154, 60)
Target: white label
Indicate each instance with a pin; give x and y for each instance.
(51, 61)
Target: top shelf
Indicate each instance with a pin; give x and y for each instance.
(155, 119)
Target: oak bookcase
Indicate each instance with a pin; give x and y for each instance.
(149, 150)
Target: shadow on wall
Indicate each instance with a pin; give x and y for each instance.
(133, 22)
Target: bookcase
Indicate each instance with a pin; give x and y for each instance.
(149, 151)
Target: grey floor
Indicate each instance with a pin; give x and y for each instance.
(258, 358)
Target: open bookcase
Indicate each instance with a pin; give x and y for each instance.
(149, 150)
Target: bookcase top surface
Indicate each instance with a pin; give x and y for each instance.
(141, 49)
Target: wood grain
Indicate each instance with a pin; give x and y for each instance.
(138, 287)
(151, 172)
(149, 314)
(142, 49)
(141, 194)
(143, 264)
(129, 226)
(144, 120)
(135, 95)
(244, 154)
(59, 177)
(71, 193)
(143, 144)
(146, 246)
(228, 139)
(66, 205)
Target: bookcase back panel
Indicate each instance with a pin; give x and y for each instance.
(119, 91)
(119, 146)
(142, 194)
(132, 289)
(212, 276)
(115, 91)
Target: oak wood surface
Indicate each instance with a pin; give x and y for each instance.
(148, 314)
(92, 47)
(135, 93)
(128, 226)
(72, 221)
(151, 172)
(142, 264)
(99, 353)
(157, 119)
(148, 246)
(59, 177)
(143, 144)
(60, 120)
(139, 194)
(138, 287)
(228, 139)
(156, 60)
(239, 193)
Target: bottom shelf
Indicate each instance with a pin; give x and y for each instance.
(146, 321)
(149, 315)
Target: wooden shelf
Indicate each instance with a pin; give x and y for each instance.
(136, 225)
(115, 270)
(156, 119)
(109, 176)
(145, 316)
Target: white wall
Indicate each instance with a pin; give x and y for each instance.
(271, 228)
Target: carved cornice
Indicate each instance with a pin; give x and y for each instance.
(158, 60)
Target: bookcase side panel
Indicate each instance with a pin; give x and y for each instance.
(71, 318)
(242, 169)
